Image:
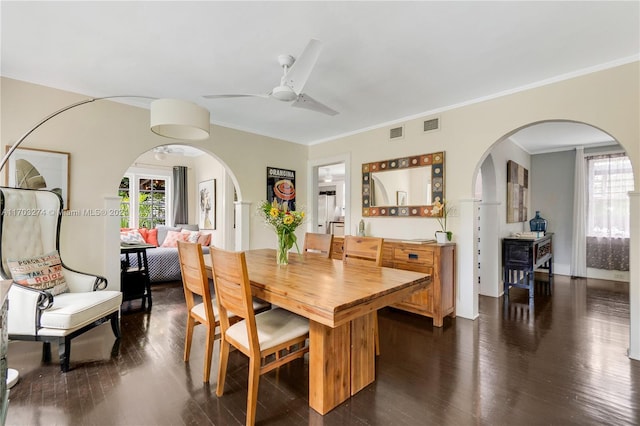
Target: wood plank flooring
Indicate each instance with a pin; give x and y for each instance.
(562, 363)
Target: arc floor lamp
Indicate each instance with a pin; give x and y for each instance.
(172, 118)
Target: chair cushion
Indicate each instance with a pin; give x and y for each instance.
(275, 327)
(42, 272)
(199, 308)
(74, 310)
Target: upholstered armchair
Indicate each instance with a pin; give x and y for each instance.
(29, 238)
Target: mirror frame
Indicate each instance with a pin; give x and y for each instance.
(436, 160)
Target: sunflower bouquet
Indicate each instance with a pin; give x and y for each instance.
(284, 222)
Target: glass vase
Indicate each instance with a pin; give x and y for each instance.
(282, 251)
(538, 224)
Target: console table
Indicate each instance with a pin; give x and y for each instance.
(520, 258)
(439, 299)
(134, 280)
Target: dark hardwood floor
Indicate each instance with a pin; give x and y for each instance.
(564, 363)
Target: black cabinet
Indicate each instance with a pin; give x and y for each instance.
(520, 258)
(134, 280)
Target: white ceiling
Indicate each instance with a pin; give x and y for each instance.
(381, 63)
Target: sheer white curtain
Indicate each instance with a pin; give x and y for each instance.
(578, 266)
(610, 179)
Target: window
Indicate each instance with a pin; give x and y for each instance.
(610, 178)
(151, 195)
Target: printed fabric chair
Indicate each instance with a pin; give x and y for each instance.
(195, 283)
(52, 303)
(318, 243)
(270, 339)
(364, 250)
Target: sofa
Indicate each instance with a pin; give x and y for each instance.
(163, 261)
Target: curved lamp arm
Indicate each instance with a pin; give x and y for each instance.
(174, 119)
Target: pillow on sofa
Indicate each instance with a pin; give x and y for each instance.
(172, 239)
(162, 232)
(132, 237)
(204, 240)
(152, 237)
(42, 272)
(188, 227)
(192, 236)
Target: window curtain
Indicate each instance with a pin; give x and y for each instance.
(610, 179)
(180, 195)
(578, 267)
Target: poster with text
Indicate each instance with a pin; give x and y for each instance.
(281, 186)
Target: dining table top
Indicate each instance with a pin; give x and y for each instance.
(324, 290)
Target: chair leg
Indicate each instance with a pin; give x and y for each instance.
(222, 366)
(252, 392)
(191, 323)
(211, 337)
(115, 324)
(46, 351)
(64, 351)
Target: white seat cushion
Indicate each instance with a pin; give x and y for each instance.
(199, 308)
(74, 310)
(274, 328)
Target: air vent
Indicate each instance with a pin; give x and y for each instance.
(396, 133)
(432, 124)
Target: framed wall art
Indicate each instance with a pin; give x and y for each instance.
(39, 169)
(207, 204)
(517, 192)
(281, 186)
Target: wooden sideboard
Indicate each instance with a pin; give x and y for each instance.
(437, 301)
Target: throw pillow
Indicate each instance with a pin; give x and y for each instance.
(204, 240)
(163, 230)
(172, 239)
(144, 232)
(131, 237)
(152, 237)
(42, 272)
(192, 236)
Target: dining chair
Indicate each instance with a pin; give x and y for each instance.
(364, 250)
(196, 285)
(318, 243)
(270, 339)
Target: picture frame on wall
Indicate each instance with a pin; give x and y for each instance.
(281, 186)
(32, 168)
(401, 198)
(207, 204)
(517, 192)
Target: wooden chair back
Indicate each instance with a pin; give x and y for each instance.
(194, 275)
(233, 291)
(362, 250)
(318, 243)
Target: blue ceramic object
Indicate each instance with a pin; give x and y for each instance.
(538, 224)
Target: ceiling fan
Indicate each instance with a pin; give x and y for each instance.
(295, 76)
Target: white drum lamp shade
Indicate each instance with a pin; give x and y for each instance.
(178, 119)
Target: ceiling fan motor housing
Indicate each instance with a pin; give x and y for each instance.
(284, 93)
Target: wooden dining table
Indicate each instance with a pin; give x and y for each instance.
(340, 300)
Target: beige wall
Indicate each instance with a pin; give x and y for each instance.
(104, 138)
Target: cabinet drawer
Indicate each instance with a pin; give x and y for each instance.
(414, 267)
(419, 255)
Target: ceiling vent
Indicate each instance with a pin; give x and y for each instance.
(432, 125)
(396, 133)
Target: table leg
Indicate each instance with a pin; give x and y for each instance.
(329, 366)
(363, 359)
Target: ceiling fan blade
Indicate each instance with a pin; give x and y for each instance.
(301, 69)
(247, 95)
(307, 102)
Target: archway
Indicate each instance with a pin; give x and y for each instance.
(489, 168)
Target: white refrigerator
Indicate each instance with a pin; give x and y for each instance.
(326, 210)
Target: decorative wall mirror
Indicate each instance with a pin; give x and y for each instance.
(406, 186)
